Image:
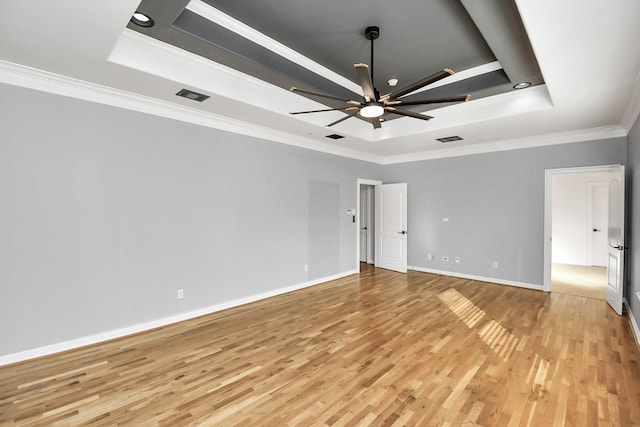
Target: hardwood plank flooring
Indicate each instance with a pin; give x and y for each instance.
(379, 348)
(579, 280)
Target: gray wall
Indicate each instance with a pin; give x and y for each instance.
(105, 213)
(495, 206)
(633, 229)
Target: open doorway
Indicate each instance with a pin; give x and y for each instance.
(367, 224)
(365, 221)
(578, 209)
(382, 225)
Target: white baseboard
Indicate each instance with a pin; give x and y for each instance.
(479, 278)
(141, 327)
(634, 324)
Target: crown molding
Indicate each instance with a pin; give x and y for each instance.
(19, 75)
(581, 135)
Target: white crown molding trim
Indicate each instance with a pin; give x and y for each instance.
(19, 75)
(568, 137)
(634, 325)
(240, 28)
(633, 107)
(479, 278)
(146, 326)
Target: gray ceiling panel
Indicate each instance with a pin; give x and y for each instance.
(500, 24)
(417, 38)
(243, 51)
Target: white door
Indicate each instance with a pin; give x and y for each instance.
(391, 227)
(615, 264)
(598, 213)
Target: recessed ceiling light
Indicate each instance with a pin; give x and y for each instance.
(372, 110)
(392, 82)
(521, 85)
(142, 19)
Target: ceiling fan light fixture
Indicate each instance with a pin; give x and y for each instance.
(372, 110)
(372, 105)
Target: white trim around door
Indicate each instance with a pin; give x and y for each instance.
(548, 177)
(361, 181)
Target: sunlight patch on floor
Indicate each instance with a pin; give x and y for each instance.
(499, 339)
(462, 307)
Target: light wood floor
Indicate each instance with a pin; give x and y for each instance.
(580, 280)
(380, 348)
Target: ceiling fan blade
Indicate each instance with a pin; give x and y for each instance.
(322, 95)
(375, 121)
(326, 109)
(420, 83)
(340, 120)
(364, 77)
(463, 98)
(408, 113)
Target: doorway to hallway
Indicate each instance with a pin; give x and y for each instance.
(579, 233)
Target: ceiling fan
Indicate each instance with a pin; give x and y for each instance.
(373, 106)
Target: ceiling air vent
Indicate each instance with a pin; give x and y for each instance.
(449, 139)
(186, 93)
(335, 136)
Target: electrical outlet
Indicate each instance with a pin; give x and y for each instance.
(180, 293)
(495, 264)
(306, 267)
(430, 257)
(638, 295)
(445, 258)
(457, 260)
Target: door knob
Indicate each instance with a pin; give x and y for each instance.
(596, 229)
(402, 232)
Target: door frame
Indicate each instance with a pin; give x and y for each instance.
(548, 176)
(361, 181)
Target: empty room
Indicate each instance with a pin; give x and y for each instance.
(319, 213)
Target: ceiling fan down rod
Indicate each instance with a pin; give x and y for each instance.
(372, 33)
